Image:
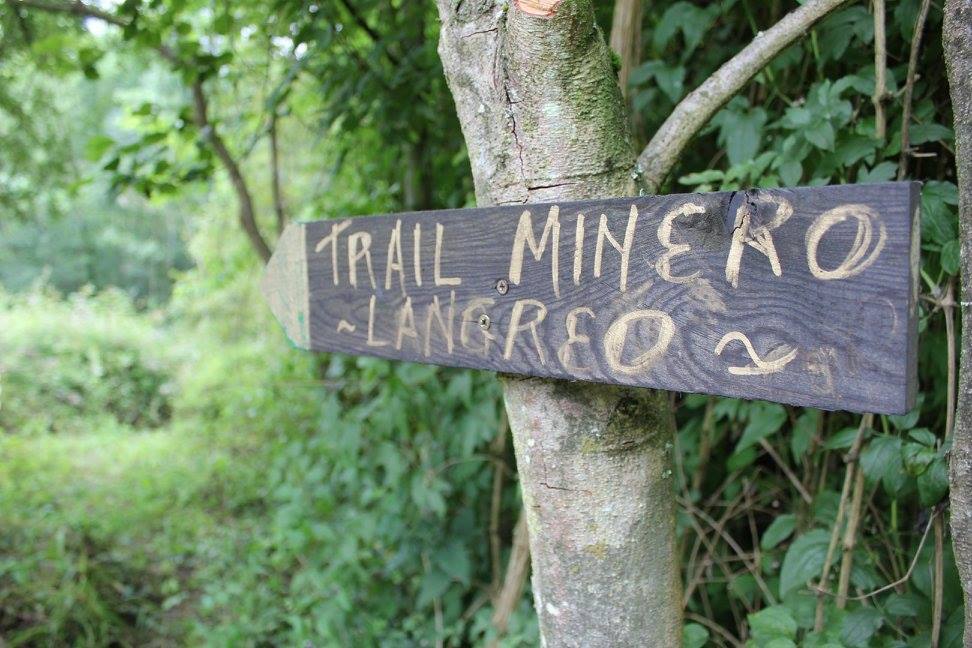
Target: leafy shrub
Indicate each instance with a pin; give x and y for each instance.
(65, 364)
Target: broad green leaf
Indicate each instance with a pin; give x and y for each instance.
(771, 623)
(778, 531)
(880, 173)
(881, 462)
(908, 421)
(859, 626)
(820, 135)
(922, 133)
(97, 146)
(803, 433)
(804, 560)
(951, 252)
(938, 221)
(902, 605)
(740, 130)
(694, 636)
(693, 179)
(841, 440)
(764, 419)
(434, 584)
(739, 460)
(790, 173)
(453, 559)
(933, 483)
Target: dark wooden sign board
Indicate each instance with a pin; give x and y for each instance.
(804, 296)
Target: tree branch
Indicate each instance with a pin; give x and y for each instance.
(910, 88)
(246, 211)
(275, 189)
(246, 214)
(367, 29)
(692, 113)
(78, 9)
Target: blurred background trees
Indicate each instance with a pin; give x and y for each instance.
(171, 471)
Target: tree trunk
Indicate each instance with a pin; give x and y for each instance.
(543, 120)
(957, 40)
(626, 38)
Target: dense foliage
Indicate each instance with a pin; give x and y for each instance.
(172, 471)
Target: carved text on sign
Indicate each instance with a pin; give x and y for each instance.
(800, 295)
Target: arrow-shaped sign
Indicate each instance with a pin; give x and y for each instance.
(804, 296)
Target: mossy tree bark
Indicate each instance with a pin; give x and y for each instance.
(543, 120)
(957, 40)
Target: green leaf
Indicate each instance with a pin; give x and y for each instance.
(803, 433)
(790, 173)
(841, 440)
(908, 421)
(771, 623)
(923, 133)
(779, 642)
(454, 561)
(881, 173)
(804, 560)
(434, 584)
(739, 460)
(859, 626)
(902, 605)
(764, 419)
(694, 636)
(778, 531)
(797, 117)
(740, 129)
(97, 146)
(918, 453)
(881, 462)
(933, 483)
(938, 221)
(821, 135)
(951, 252)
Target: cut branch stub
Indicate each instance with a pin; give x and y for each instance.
(542, 8)
(803, 296)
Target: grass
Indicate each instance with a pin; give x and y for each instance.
(102, 533)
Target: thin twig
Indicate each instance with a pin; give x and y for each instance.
(753, 569)
(277, 193)
(200, 111)
(768, 447)
(79, 9)
(517, 570)
(904, 579)
(948, 309)
(851, 462)
(497, 448)
(850, 539)
(715, 627)
(705, 444)
(367, 29)
(910, 88)
(880, 72)
(938, 578)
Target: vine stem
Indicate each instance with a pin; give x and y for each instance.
(851, 461)
(880, 71)
(910, 88)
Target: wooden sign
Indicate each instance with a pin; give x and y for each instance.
(804, 296)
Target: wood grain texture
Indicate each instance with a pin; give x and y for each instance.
(804, 296)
